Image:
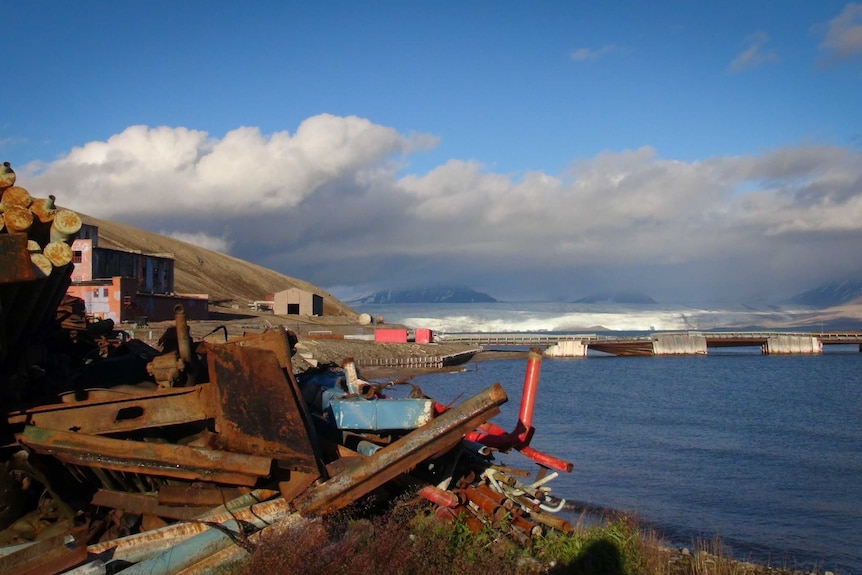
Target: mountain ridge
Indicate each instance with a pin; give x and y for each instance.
(436, 294)
(831, 294)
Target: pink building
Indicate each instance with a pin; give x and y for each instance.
(128, 286)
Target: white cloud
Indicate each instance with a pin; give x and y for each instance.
(151, 170)
(201, 239)
(583, 54)
(754, 55)
(844, 33)
(326, 205)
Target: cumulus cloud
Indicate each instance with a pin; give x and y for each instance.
(152, 170)
(843, 36)
(328, 205)
(754, 54)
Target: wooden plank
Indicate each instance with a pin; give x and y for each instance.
(166, 460)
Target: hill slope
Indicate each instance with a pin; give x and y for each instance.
(199, 270)
(831, 294)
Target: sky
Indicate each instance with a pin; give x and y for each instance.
(548, 150)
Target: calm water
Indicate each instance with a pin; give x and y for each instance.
(762, 451)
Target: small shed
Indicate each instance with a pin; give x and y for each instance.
(295, 301)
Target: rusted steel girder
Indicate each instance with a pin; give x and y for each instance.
(51, 555)
(122, 413)
(166, 460)
(140, 504)
(198, 494)
(441, 433)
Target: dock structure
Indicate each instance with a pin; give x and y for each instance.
(662, 343)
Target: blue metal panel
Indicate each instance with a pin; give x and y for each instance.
(381, 414)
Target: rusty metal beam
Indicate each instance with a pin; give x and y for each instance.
(166, 460)
(51, 555)
(199, 494)
(278, 342)
(147, 544)
(440, 433)
(296, 483)
(15, 263)
(141, 504)
(122, 413)
(255, 409)
(274, 340)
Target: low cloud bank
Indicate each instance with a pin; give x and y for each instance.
(331, 204)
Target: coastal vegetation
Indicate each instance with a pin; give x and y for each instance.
(408, 539)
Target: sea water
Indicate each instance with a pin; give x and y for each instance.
(763, 452)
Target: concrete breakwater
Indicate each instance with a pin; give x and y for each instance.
(577, 345)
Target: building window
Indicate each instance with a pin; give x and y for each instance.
(76, 257)
(104, 292)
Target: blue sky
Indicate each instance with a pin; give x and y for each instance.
(527, 149)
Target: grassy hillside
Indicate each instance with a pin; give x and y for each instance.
(197, 270)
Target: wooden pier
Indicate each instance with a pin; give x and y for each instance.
(661, 343)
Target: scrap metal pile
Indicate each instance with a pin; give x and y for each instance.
(119, 457)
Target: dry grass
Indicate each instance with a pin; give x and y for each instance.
(404, 541)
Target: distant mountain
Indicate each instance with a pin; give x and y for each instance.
(830, 295)
(445, 294)
(618, 297)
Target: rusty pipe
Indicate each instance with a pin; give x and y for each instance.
(552, 521)
(184, 343)
(485, 504)
(526, 526)
(499, 498)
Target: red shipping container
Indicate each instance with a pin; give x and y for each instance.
(390, 335)
(423, 335)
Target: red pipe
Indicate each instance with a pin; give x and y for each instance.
(439, 496)
(528, 398)
(547, 460)
(493, 435)
(496, 437)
